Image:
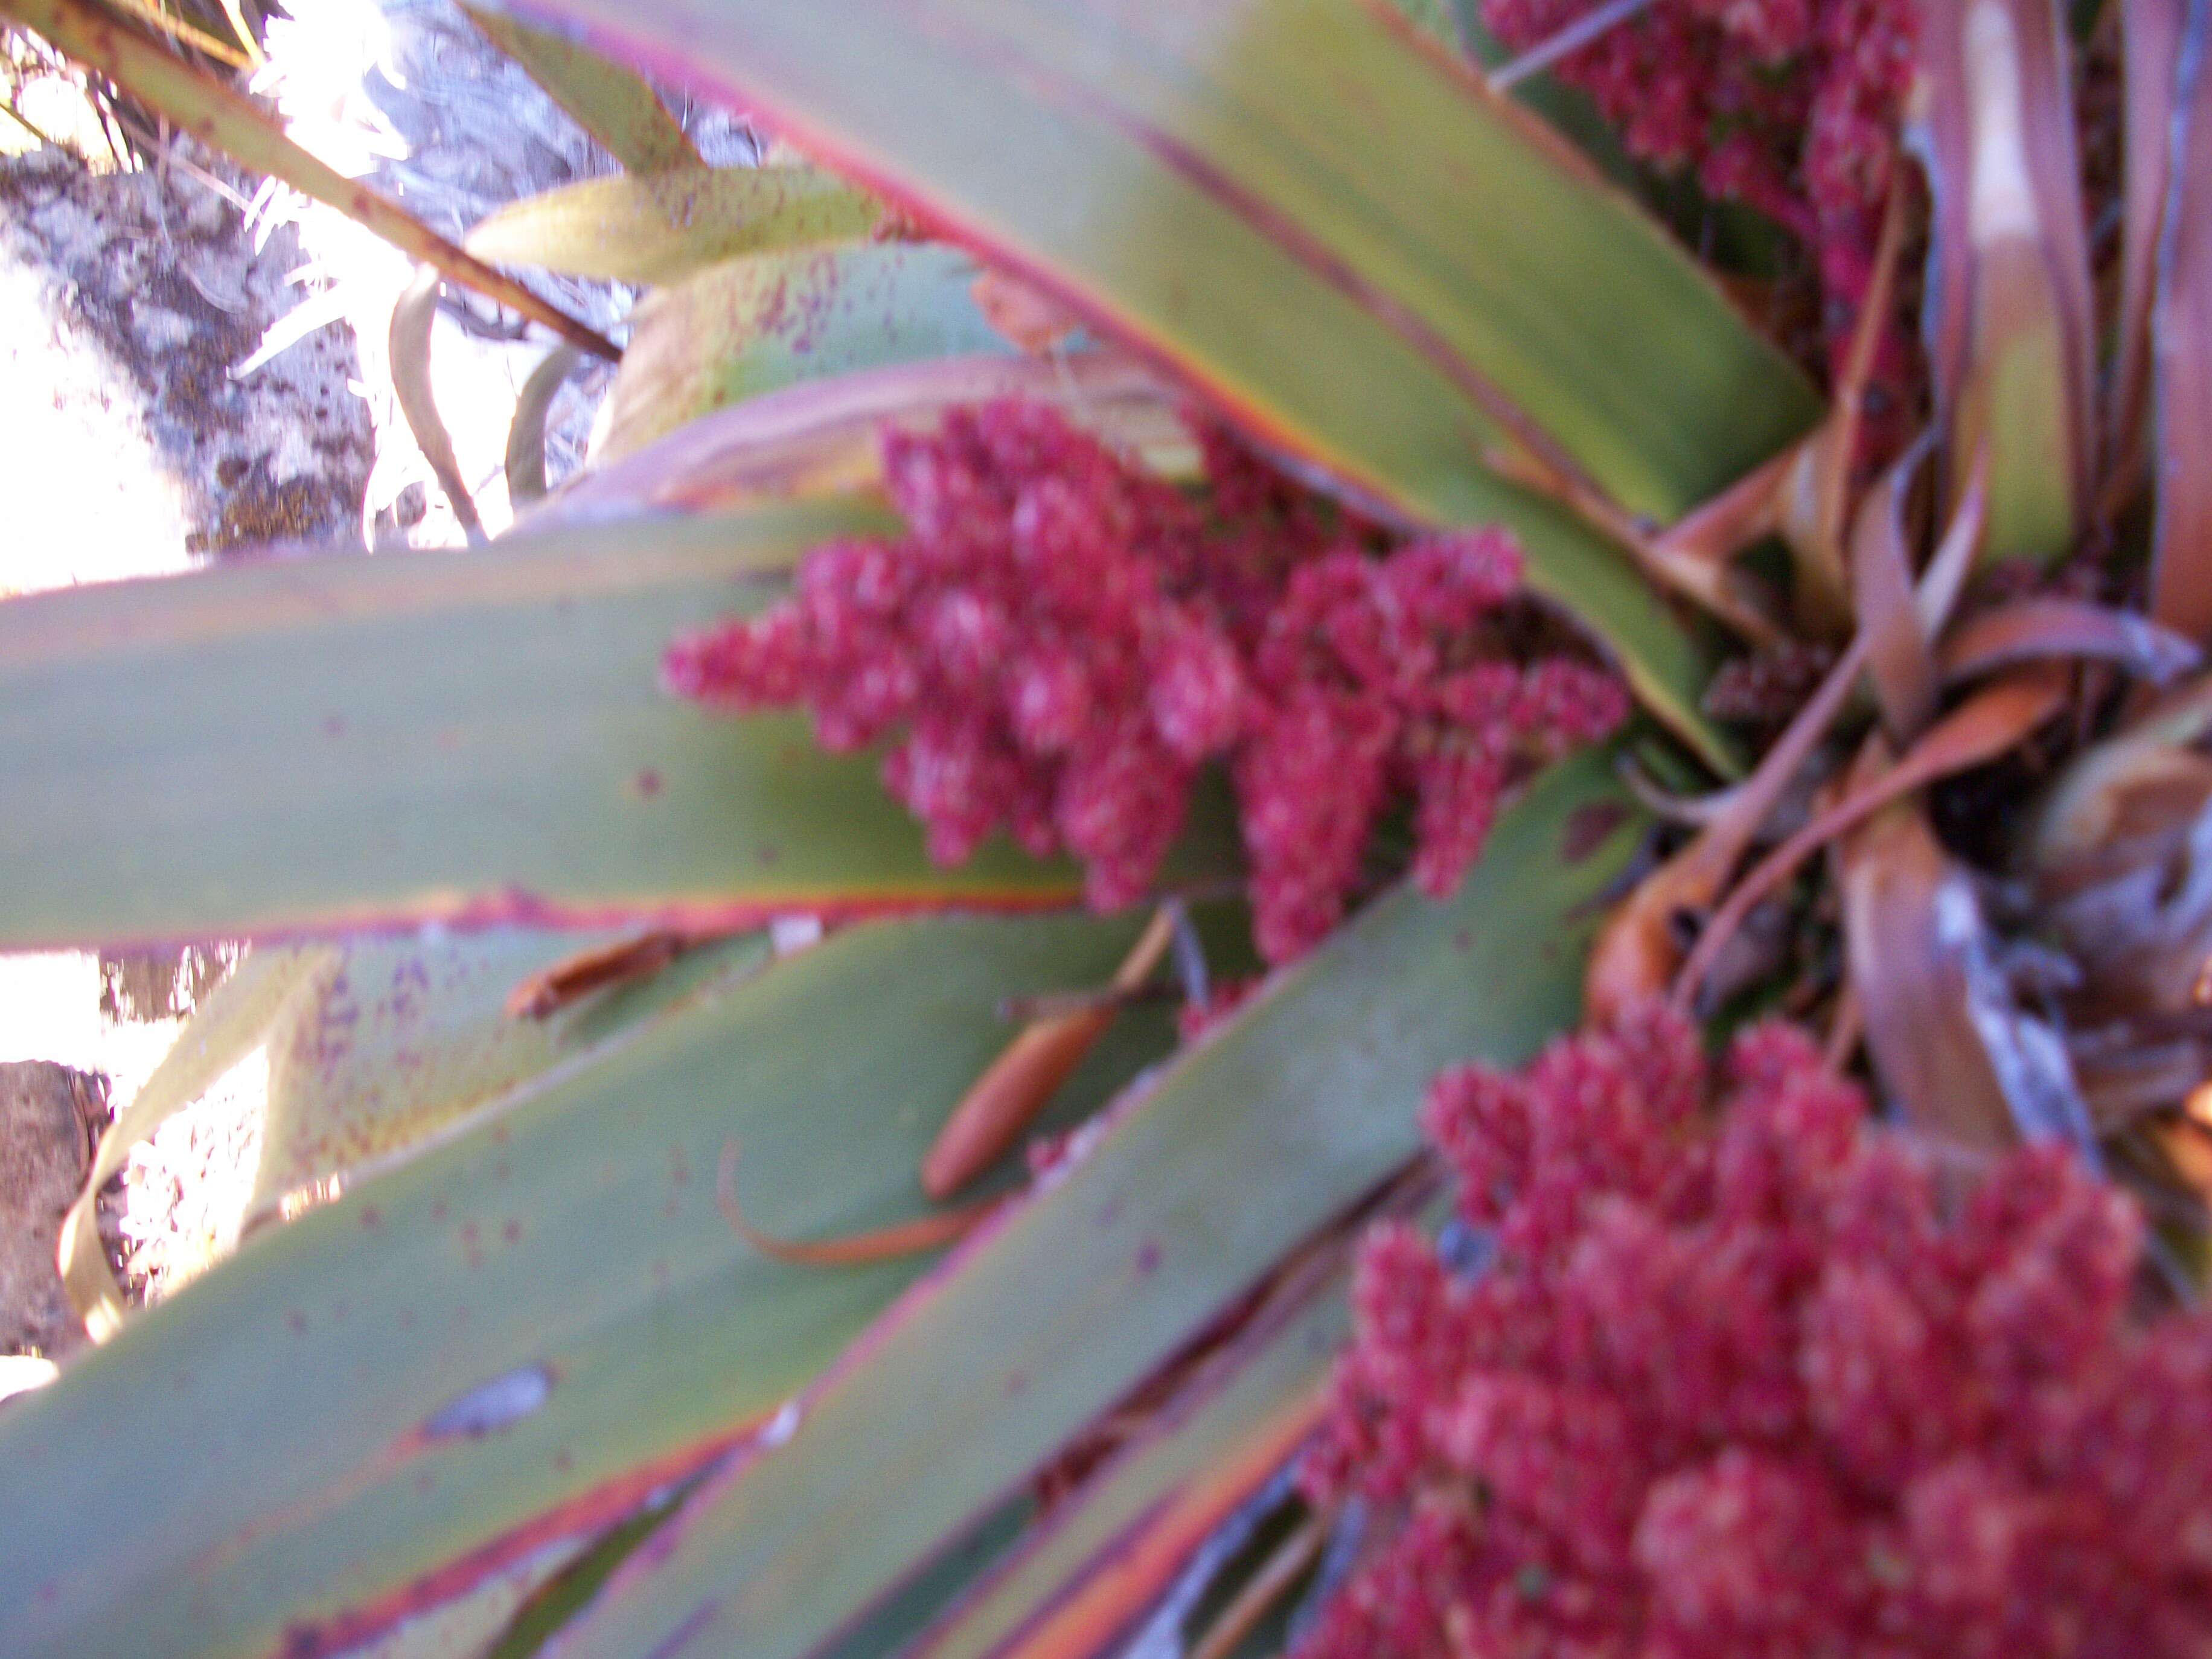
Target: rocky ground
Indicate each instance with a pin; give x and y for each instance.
(190, 365)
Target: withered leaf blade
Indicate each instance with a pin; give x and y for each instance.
(2051, 630)
(1017, 1086)
(2126, 882)
(1637, 950)
(824, 437)
(2181, 560)
(1992, 721)
(2152, 31)
(408, 345)
(524, 461)
(1899, 660)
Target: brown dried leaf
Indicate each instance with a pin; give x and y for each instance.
(1638, 952)
(2122, 865)
(569, 981)
(1952, 1047)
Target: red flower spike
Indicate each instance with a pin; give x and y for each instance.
(1061, 642)
(1732, 1383)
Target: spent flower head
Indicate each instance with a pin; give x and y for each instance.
(1737, 1380)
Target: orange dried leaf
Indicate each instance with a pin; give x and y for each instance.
(1022, 1081)
(927, 1232)
(544, 994)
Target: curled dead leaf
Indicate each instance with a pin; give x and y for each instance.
(1953, 1050)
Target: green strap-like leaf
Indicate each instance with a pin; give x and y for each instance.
(313, 743)
(517, 1336)
(1334, 229)
(659, 228)
(1242, 1147)
(1097, 1559)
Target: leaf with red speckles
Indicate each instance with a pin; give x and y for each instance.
(514, 1337)
(1295, 1109)
(338, 742)
(1402, 279)
(404, 1038)
(755, 324)
(662, 229)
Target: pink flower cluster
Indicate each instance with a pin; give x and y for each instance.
(1061, 642)
(1742, 1383)
(1790, 105)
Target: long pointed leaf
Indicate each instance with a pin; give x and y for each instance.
(1246, 1145)
(515, 1337)
(482, 739)
(1339, 234)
